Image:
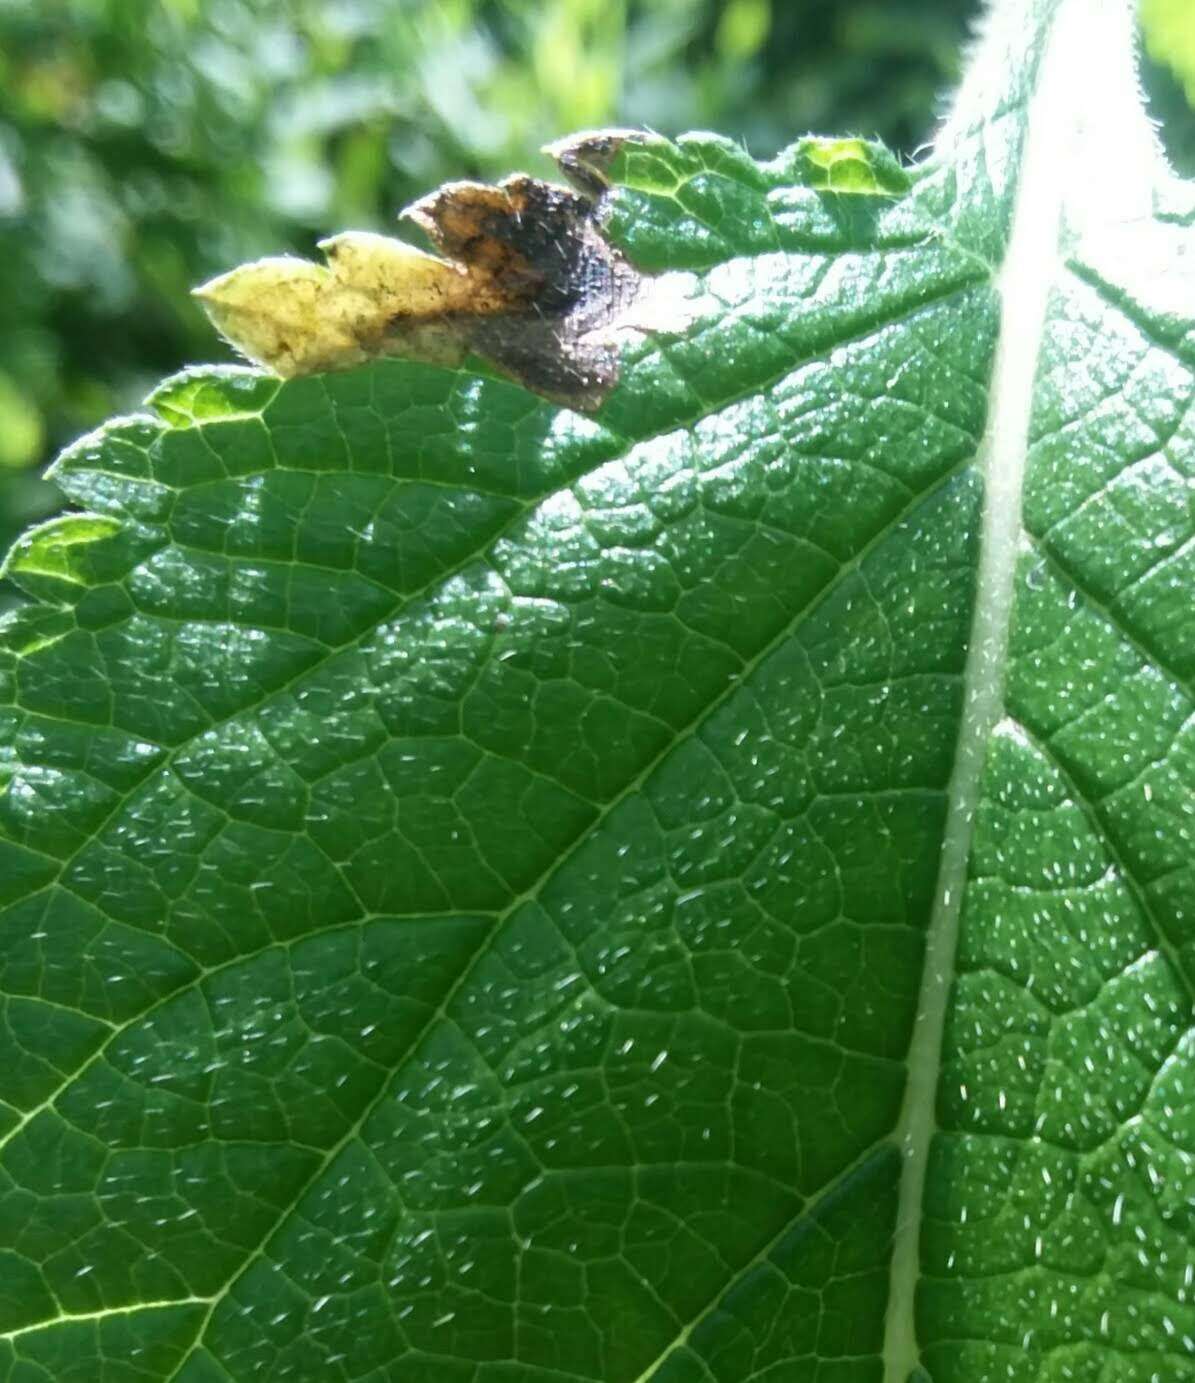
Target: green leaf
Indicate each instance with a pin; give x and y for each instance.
(695, 887)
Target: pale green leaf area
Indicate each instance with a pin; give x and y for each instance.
(698, 890)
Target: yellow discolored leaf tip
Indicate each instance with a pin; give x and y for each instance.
(271, 310)
(295, 317)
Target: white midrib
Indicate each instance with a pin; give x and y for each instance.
(1030, 267)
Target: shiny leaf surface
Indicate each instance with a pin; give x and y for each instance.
(694, 890)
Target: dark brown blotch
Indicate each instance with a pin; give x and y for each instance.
(546, 288)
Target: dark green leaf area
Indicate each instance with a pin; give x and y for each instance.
(813, 1300)
(653, 1019)
(124, 1347)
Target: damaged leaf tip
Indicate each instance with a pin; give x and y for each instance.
(586, 159)
(524, 278)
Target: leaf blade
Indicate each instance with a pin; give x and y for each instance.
(509, 950)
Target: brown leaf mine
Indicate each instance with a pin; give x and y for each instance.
(526, 280)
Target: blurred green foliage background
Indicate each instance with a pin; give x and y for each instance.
(146, 145)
